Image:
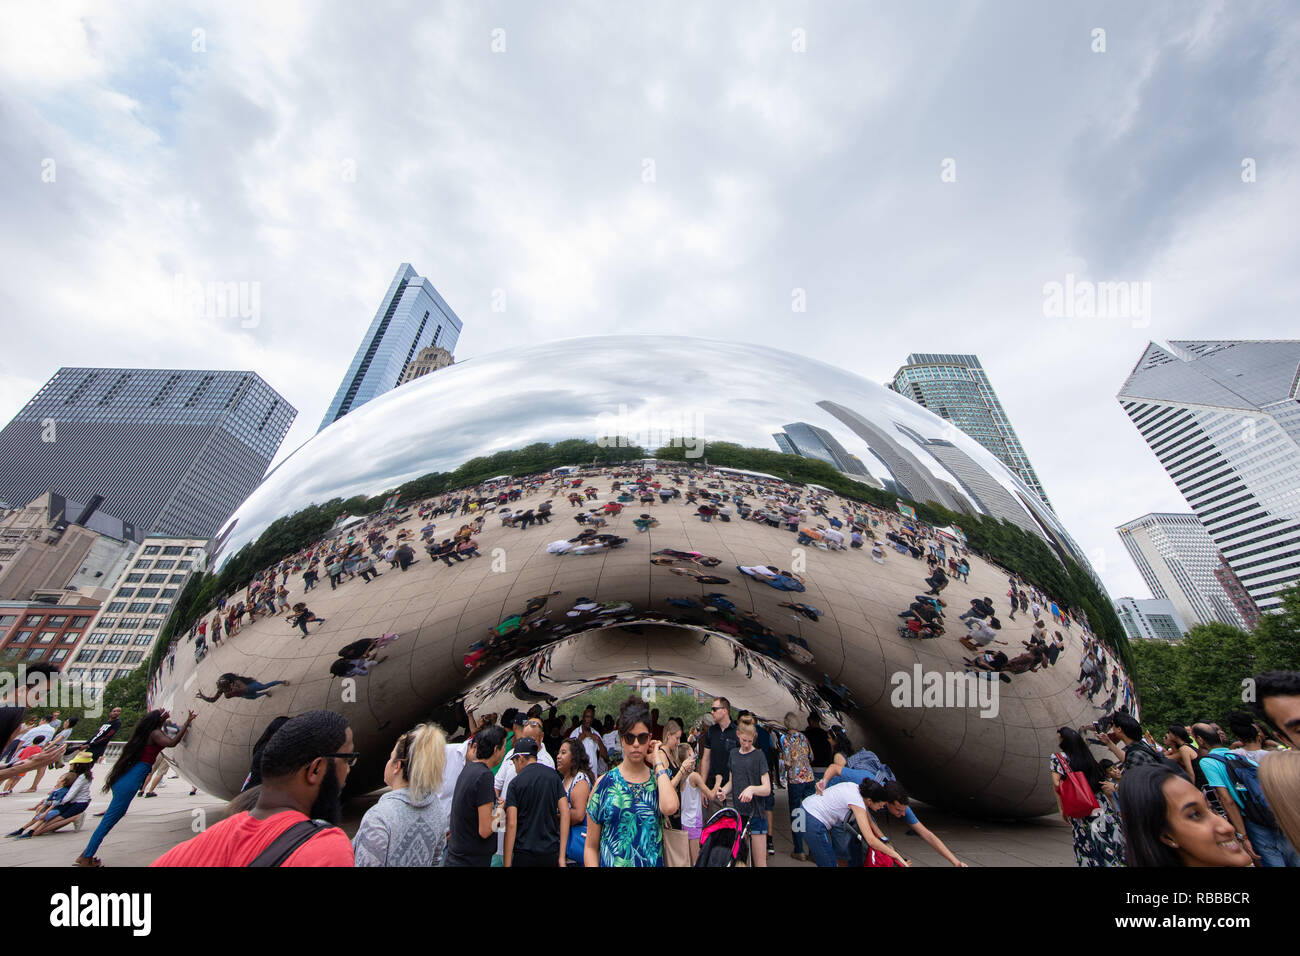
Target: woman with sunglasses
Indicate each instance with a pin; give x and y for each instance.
(408, 826)
(624, 810)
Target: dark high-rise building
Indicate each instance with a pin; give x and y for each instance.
(412, 317)
(169, 451)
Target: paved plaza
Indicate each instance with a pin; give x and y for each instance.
(154, 825)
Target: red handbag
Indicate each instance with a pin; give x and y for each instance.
(1078, 802)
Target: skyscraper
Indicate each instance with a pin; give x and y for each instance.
(412, 317)
(1223, 417)
(168, 451)
(955, 387)
(1177, 560)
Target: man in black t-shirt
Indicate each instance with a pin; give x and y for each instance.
(537, 811)
(819, 742)
(473, 840)
(720, 740)
(97, 744)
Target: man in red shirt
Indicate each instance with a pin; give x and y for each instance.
(304, 767)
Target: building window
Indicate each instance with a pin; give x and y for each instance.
(168, 593)
(100, 674)
(156, 579)
(129, 623)
(7, 619)
(133, 657)
(86, 656)
(143, 639)
(77, 673)
(134, 578)
(138, 607)
(147, 592)
(70, 637)
(108, 622)
(97, 637)
(151, 549)
(117, 607)
(32, 621)
(47, 637)
(59, 654)
(22, 636)
(57, 621)
(173, 549)
(120, 639)
(165, 565)
(176, 579)
(35, 654)
(125, 592)
(144, 564)
(110, 657)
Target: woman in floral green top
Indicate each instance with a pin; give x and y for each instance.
(623, 812)
(801, 782)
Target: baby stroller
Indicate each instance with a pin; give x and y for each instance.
(724, 840)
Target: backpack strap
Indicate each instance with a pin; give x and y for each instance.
(283, 846)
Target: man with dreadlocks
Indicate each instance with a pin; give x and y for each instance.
(304, 767)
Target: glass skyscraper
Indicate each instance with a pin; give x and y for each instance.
(955, 387)
(1223, 417)
(1177, 560)
(412, 317)
(170, 451)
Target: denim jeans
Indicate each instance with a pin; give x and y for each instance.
(819, 841)
(123, 793)
(1272, 846)
(798, 792)
(257, 689)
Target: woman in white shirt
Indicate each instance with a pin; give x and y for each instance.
(826, 810)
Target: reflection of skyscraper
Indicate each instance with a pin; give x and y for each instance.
(955, 387)
(809, 441)
(170, 451)
(912, 477)
(988, 495)
(412, 316)
(1150, 620)
(1177, 560)
(1224, 420)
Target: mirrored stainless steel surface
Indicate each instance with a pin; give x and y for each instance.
(669, 607)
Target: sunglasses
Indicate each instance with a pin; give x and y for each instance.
(641, 738)
(351, 758)
(717, 708)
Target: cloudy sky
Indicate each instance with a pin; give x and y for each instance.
(920, 172)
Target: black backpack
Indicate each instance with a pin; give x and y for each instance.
(283, 846)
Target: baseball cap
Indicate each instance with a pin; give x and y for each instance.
(524, 747)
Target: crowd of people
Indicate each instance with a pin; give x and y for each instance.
(1200, 796)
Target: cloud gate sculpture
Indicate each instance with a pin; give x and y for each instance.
(742, 605)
